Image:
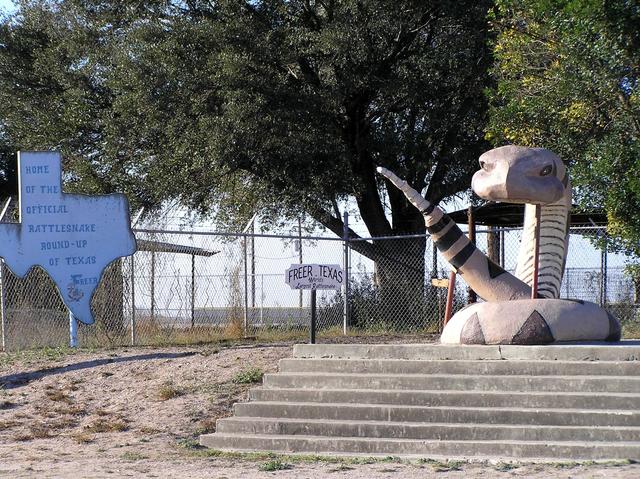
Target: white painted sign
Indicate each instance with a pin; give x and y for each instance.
(72, 237)
(314, 276)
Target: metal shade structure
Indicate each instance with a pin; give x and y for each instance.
(512, 215)
(163, 247)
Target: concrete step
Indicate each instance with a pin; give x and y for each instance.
(454, 382)
(491, 367)
(557, 400)
(628, 350)
(398, 413)
(571, 401)
(439, 431)
(423, 448)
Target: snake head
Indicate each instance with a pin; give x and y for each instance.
(516, 174)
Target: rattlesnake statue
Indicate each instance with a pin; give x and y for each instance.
(508, 314)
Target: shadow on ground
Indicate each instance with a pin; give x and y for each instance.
(17, 380)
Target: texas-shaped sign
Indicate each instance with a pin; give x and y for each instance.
(72, 237)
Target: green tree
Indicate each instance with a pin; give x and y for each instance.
(282, 106)
(567, 79)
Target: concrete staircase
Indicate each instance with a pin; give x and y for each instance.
(556, 402)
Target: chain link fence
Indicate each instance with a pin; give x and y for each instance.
(188, 287)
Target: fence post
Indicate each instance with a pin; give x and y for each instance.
(300, 303)
(603, 272)
(153, 286)
(3, 306)
(133, 301)
(345, 262)
(246, 288)
(3, 298)
(193, 290)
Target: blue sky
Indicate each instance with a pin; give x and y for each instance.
(6, 5)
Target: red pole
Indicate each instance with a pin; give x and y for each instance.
(536, 254)
(450, 290)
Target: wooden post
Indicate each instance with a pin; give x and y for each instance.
(536, 253)
(450, 291)
(472, 296)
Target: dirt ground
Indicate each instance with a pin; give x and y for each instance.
(137, 412)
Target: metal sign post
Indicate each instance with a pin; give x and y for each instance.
(73, 331)
(312, 332)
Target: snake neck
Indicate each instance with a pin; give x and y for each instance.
(554, 241)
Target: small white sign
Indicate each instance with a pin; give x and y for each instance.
(314, 276)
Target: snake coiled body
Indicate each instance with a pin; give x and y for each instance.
(508, 315)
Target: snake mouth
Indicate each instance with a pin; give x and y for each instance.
(514, 188)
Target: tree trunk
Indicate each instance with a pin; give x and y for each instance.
(493, 244)
(398, 290)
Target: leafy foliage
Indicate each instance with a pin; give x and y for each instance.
(248, 376)
(567, 79)
(234, 106)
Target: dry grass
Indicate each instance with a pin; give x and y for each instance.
(83, 437)
(70, 410)
(169, 391)
(22, 437)
(206, 426)
(62, 423)
(8, 424)
(107, 424)
(40, 430)
(58, 395)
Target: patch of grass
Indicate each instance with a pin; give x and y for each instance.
(275, 465)
(294, 458)
(40, 430)
(133, 456)
(169, 391)
(107, 425)
(83, 437)
(22, 437)
(206, 426)
(341, 468)
(62, 423)
(8, 424)
(566, 464)
(36, 355)
(70, 410)
(189, 443)
(58, 395)
(443, 466)
(248, 376)
(505, 466)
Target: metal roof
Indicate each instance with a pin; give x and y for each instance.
(162, 247)
(509, 214)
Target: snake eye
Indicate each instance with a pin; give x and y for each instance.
(546, 170)
(485, 166)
